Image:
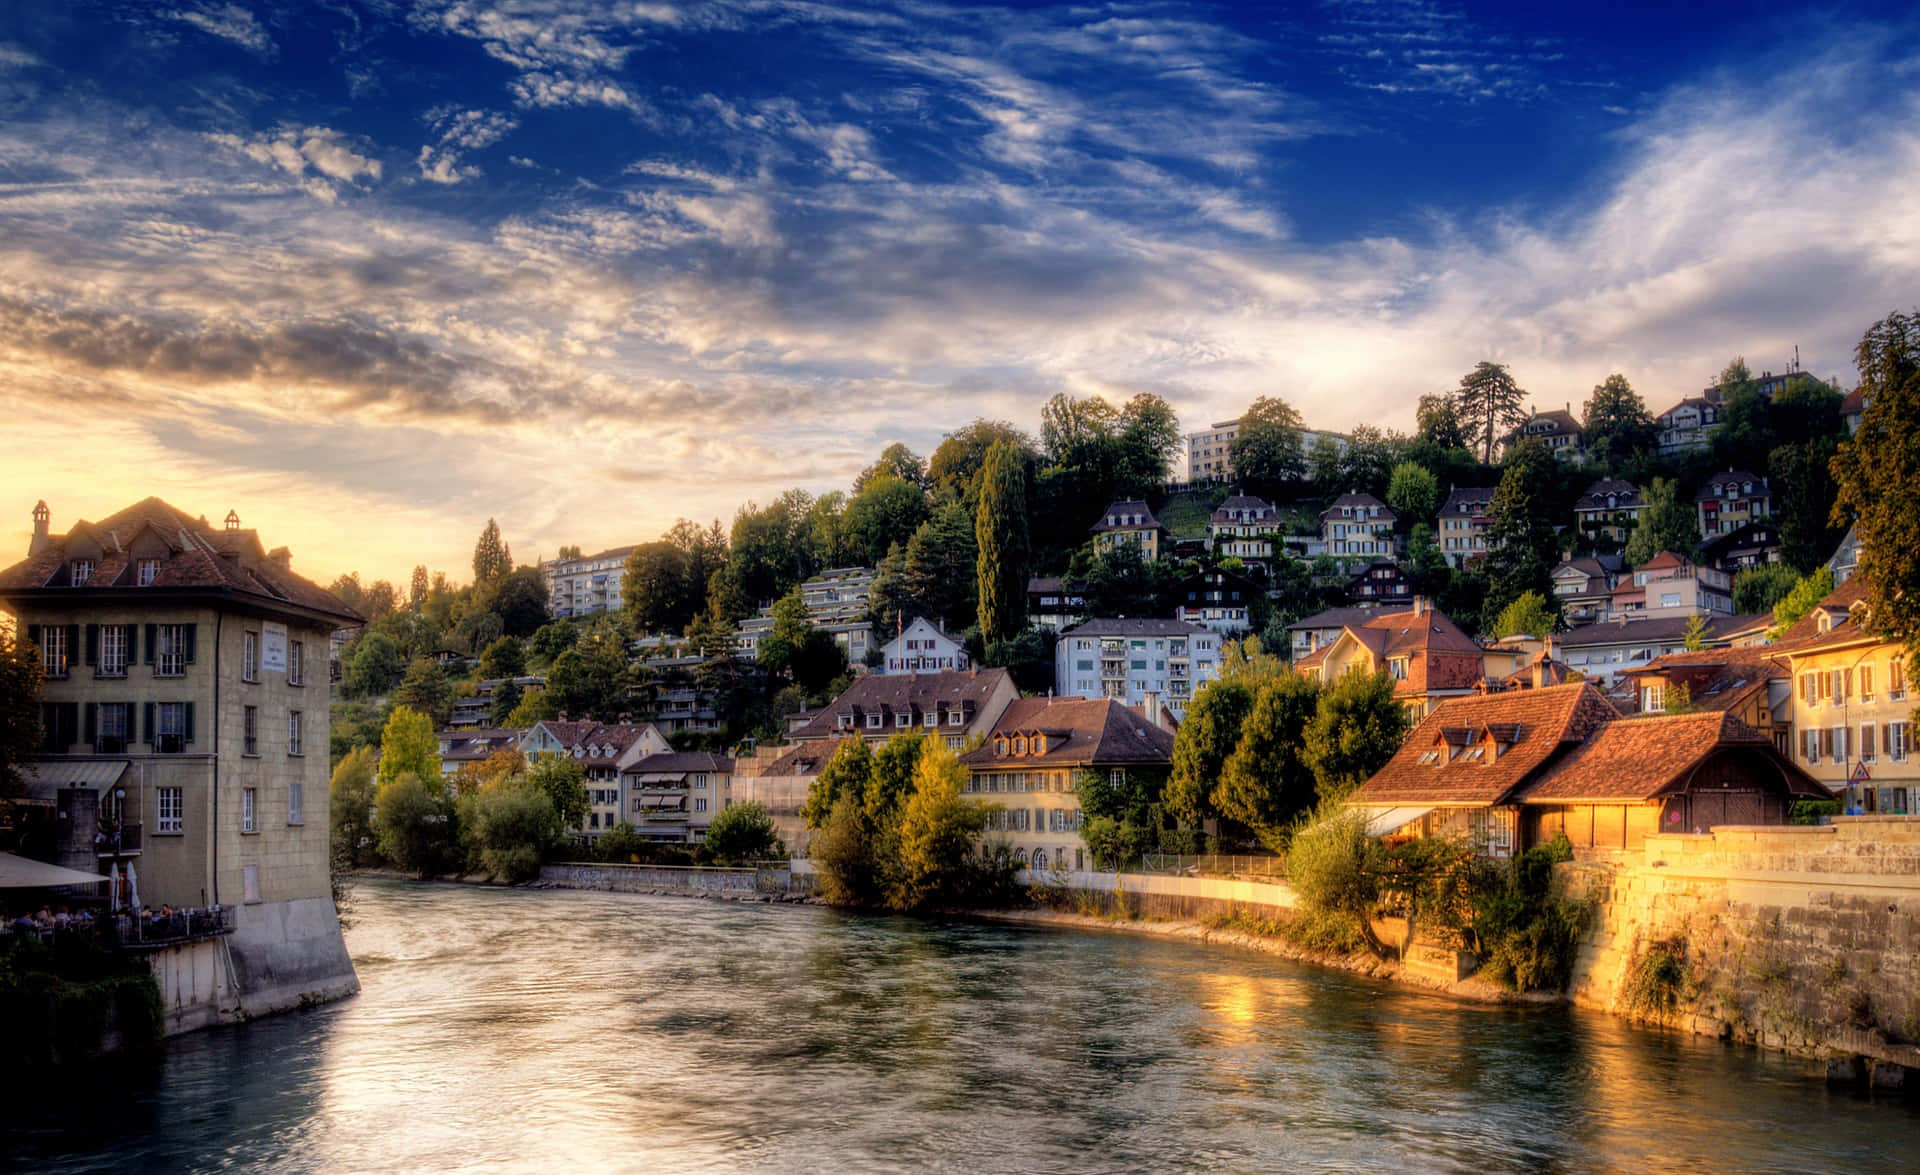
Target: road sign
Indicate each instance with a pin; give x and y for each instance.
(1860, 774)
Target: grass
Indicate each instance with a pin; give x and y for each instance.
(1185, 512)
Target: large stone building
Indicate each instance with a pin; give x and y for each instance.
(186, 719)
(1358, 525)
(1134, 660)
(1130, 523)
(592, 583)
(1852, 709)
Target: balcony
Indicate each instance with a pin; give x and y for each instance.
(123, 841)
(175, 926)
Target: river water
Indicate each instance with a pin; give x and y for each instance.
(555, 1031)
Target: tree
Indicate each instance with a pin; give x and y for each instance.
(1201, 746)
(770, 549)
(1413, 492)
(350, 797)
(1528, 615)
(590, 680)
(898, 462)
(781, 644)
(1878, 472)
(408, 746)
(1668, 524)
(1358, 724)
(490, 558)
(842, 853)
(564, 782)
(818, 662)
(1266, 451)
(380, 600)
(414, 822)
(656, 589)
(741, 833)
(1077, 435)
(417, 588)
(553, 639)
(512, 829)
(534, 706)
(1617, 427)
(939, 569)
(1267, 780)
(1118, 581)
(503, 658)
(1489, 405)
(425, 689)
(1439, 424)
(893, 773)
(886, 512)
(1148, 439)
(375, 664)
(1522, 547)
(1758, 589)
(1330, 869)
(1247, 662)
(20, 678)
(937, 828)
(348, 591)
(1000, 537)
(963, 452)
(1370, 459)
(845, 776)
(518, 598)
(1695, 637)
(505, 701)
(1801, 600)
(1803, 495)
(1745, 434)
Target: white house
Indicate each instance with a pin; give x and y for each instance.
(921, 647)
(1134, 659)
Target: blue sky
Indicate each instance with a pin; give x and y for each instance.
(588, 267)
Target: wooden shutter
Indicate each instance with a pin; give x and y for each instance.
(133, 644)
(93, 721)
(73, 642)
(153, 641)
(93, 646)
(147, 722)
(187, 735)
(191, 629)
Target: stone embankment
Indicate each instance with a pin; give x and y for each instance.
(740, 884)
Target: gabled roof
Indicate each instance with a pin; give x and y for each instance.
(679, 763)
(1458, 501)
(1626, 495)
(1638, 631)
(1642, 758)
(1260, 507)
(1132, 626)
(1717, 679)
(1541, 722)
(1358, 499)
(1838, 603)
(1561, 420)
(1727, 477)
(1711, 399)
(198, 559)
(1080, 732)
(894, 693)
(1131, 507)
(1333, 618)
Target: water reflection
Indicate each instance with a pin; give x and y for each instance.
(541, 1031)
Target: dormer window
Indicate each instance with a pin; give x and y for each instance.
(80, 572)
(1001, 745)
(903, 720)
(1020, 745)
(147, 571)
(844, 722)
(874, 721)
(1430, 757)
(1040, 744)
(932, 719)
(955, 718)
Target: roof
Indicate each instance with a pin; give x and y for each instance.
(1703, 401)
(805, 758)
(1358, 498)
(1260, 507)
(1129, 506)
(1853, 403)
(1127, 626)
(1717, 679)
(680, 762)
(1595, 497)
(474, 745)
(1562, 421)
(1333, 618)
(1641, 758)
(198, 559)
(1079, 732)
(1706, 489)
(1459, 499)
(894, 693)
(1841, 599)
(1651, 628)
(1539, 723)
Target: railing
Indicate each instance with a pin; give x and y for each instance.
(151, 929)
(1213, 865)
(123, 841)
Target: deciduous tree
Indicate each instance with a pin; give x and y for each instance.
(408, 746)
(1413, 492)
(937, 828)
(1267, 780)
(564, 782)
(1266, 452)
(375, 664)
(1617, 427)
(503, 658)
(1528, 615)
(1758, 589)
(741, 833)
(350, 796)
(425, 689)
(20, 677)
(1668, 524)
(1522, 545)
(1358, 724)
(1201, 746)
(1879, 474)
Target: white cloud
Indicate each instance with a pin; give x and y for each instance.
(317, 157)
(460, 131)
(229, 22)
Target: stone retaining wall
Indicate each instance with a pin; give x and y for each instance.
(694, 879)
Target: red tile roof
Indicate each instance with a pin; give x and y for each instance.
(1546, 720)
(914, 694)
(1717, 679)
(1080, 732)
(1641, 758)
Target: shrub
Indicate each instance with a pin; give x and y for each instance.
(414, 825)
(842, 853)
(743, 832)
(1655, 979)
(1329, 868)
(1529, 934)
(512, 831)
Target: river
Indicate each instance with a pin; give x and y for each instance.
(557, 1031)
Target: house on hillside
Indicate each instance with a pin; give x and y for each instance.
(1602, 652)
(1730, 500)
(1752, 683)
(1668, 585)
(1463, 525)
(1050, 605)
(1130, 522)
(1322, 629)
(1688, 426)
(1608, 510)
(1426, 654)
(1242, 528)
(922, 647)
(953, 705)
(1852, 707)
(1382, 583)
(1133, 660)
(1216, 599)
(1751, 544)
(580, 587)
(1584, 586)
(1509, 771)
(1357, 525)
(672, 796)
(1557, 429)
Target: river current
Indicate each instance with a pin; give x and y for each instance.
(556, 1031)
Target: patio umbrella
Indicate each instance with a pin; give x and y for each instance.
(25, 873)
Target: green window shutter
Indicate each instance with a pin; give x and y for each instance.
(73, 641)
(192, 630)
(153, 641)
(188, 736)
(93, 644)
(133, 644)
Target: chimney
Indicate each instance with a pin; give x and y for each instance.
(1419, 605)
(42, 539)
(283, 557)
(1151, 706)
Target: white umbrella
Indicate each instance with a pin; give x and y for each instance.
(133, 888)
(25, 873)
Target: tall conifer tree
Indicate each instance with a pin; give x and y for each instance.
(1000, 532)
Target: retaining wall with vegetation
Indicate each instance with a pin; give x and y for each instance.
(706, 880)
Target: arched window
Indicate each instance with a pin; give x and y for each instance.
(1020, 857)
(1039, 858)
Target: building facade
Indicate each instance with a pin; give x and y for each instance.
(1731, 500)
(1426, 654)
(673, 796)
(1608, 511)
(1242, 528)
(836, 602)
(1464, 524)
(1852, 707)
(1358, 525)
(1558, 430)
(1216, 599)
(1668, 585)
(581, 587)
(1133, 660)
(921, 647)
(1130, 522)
(186, 720)
(1050, 605)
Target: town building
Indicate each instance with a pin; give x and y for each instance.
(1050, 605)
(1505, 772)
(1242, 528)
(1208, 458)
(1216, 599)
(1608, 511)
(670, 694)
(1382, 583)
(836, 601)
(1753, 544)
(1426, 654)
(955, 705)
(1322, 629)
(1853, 409)
(1846, 557)
(1464, 524)
(476, 711)
(473, 746)
(1688, 426)
(672, 796)
(185, 725)
(1558, 430)
(1584, 587)
(1028, 766)
(583, 586)
(1752, 683)
(1668, 585)
(1357, 525)
(1730, 500)
(1130, 522)
(1604, 651)
(1851, 704)
(921, 647)
(1134, 659)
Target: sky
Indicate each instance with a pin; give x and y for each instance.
(370, 273)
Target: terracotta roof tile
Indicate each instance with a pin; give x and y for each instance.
(913, 693)
(1548, 720)
(1080, 732)
(1639, 758)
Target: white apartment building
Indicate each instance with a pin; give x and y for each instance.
(578, 587)
(1207, 458)
(836, 601)
(1133, 660)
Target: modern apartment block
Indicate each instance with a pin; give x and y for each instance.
(1134, 660)
(579, 587)
(185, 713)
(836, 601)
(1209, 461)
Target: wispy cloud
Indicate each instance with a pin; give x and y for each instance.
(229, 22)
(322, 160)
(461, 132)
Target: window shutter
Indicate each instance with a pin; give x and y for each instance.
(192, 629)
(188, 735)
(93, 721)
(73, 641)
(133, 644)
(153, 641)
(33, 635)
(153, 736)
(93, 646)
(1886, 739)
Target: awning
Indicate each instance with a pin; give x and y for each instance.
(1381, 821)
(25, 873)
(46, 777)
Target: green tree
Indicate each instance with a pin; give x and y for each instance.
(1522, 546)
(1489, 405)
(1808, 592)
(781, 644)
(553, 639)
(1695, 637)
(770, 549)
(425, 689)
(533, 706)
(564, 782)
(491, 560)
(842, 853)
(742, 833)
(1267, 780)
(898, 462)
(660, 592)
(1413, 492)
(590, 680)
(1358, 724)
(1248, 663)
(414, 822)
(1669, 523)
(20, 677)
(886, 512)
(1878, 472)
(1001, 540)
(375, 664)
(1201, 746)
(1803, 495)
(1266, 452)
(503, 658)
(1331, 868)
(846, 774)
(518, 598)
(818, 663)
(1147, 440)
(512, 829)
(417, 588)
(1528, 615)
(1439, 424)
(1078, 435)
(1745, 434)
(1758, 589)
(505, 700)
(939, 568)
(350, 809)
(1617, 427)
(963, 452)
(937, 828)
(1119, 581)
(408, 746)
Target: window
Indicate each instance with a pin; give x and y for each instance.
(700, 781)
(874, 721)
(1838, 746)
(250, 730)
(903, 720)
(1669, 599)
(296, 803)
(170, 728)
(1897, 678)
(111, 658)
(1811, 750)
(82, 572)
(1867, 741)
(293, 733)
(932, 719)
(296, 663)
(171, 811)
(1866, 683)
(172, 642)
(250, 883)
(249, 656)
(111, 737)
(147, 571)
(1897, 742)
(700, 803)
(1653, 699)
(53, 651)
(249, 797)
(1117, 777)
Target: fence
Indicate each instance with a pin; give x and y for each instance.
(1214, 865)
